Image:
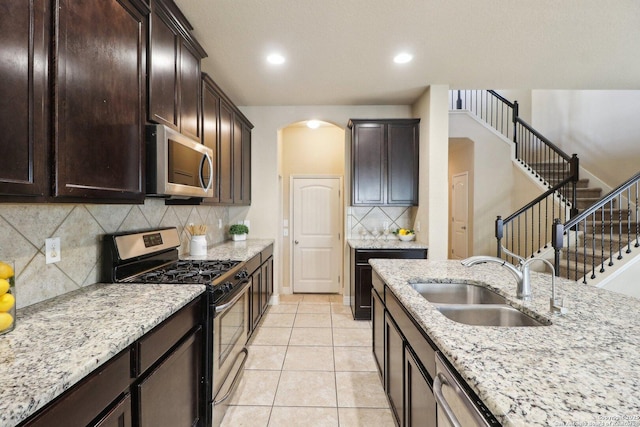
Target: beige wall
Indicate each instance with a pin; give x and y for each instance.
(433, 213)
(307, 152)
(461, 155)
(601, 127)
(265, 213)
(499, 186)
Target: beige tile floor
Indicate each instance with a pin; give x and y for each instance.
(310, 364)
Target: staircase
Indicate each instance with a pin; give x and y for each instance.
(588, 232)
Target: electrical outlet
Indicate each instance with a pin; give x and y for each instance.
(285, 232)
(52, 250)
(247, 223)
(219, 224)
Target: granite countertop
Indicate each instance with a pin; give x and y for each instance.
(580, 370)
(241, 251)
(391, 243)
(58, 342)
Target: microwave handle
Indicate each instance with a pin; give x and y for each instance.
(208, 158)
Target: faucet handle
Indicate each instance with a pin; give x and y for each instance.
(520, 259)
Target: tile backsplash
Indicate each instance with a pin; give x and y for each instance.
(364, 222)
(24, 228)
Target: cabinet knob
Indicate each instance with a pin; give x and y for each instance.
(296, 242)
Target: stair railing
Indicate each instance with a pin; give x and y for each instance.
(599, 235)
(552, 166)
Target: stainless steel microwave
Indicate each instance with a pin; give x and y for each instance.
(177, 166)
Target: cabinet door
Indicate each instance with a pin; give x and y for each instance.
(24, 103)
(226, 153)
(210, 131)
(255, 298)
(368, 160)
(237, 161)
(267, 284)
(246, 164)
(164, 45)
(100, 87)
(362, 289)
(189, 92)
(402, 161)
(119, 416)
(377, 325)
(420, 405)
(171, 394)
(394, 368)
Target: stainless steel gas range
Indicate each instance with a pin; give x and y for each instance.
(151, 256)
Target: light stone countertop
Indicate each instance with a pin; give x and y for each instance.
(583, 369)
(58, 342)
(381, 243)
(240, 251)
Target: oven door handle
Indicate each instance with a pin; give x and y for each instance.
(245, 286)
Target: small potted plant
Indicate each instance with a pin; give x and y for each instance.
(238, 232)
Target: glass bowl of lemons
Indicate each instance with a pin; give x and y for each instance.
(405, 234)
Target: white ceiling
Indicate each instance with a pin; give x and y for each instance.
(339, 52)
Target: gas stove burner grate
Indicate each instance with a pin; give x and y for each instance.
(188, 271)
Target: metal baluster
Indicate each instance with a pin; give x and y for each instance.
(619, 226)
(546, 222)
(602, 239)
(628, 220)
(637, 218)
(610, 233)
(593, 247)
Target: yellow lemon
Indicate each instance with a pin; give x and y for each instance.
(6, 302)
(6, 320)
(4, 286)
(6, 270)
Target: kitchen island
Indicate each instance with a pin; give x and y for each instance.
(583, 368)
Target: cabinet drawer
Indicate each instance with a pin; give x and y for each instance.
(86, 400)
(157, 342)
(253, 264)
(364, 256)
(267, 252)
(419, 343)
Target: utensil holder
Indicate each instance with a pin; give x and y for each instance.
(198, 246)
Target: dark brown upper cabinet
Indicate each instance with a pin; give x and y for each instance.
(72, 106)
(24, 103)
(99, 99)
(384, 162)
(228, 133)
(174, 71)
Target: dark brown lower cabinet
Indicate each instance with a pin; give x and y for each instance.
(156, 382)
(170, 394)
(256, 313)
(119, 416)
(361, 275)
(261, 286)
(420, 405)
(377, 325)
(394, 368)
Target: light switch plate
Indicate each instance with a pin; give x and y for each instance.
(52, 250)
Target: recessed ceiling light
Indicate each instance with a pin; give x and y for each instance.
(402, 58)
(275, 59)
(313, 124)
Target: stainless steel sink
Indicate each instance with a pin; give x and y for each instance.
(457, 293)
(487, 315)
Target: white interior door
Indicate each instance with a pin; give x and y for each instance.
(316, 244)
(460, 216)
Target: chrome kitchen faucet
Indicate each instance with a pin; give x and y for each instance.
(522, 274)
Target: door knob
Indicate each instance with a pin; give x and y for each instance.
(464, 228)
(295, 241)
